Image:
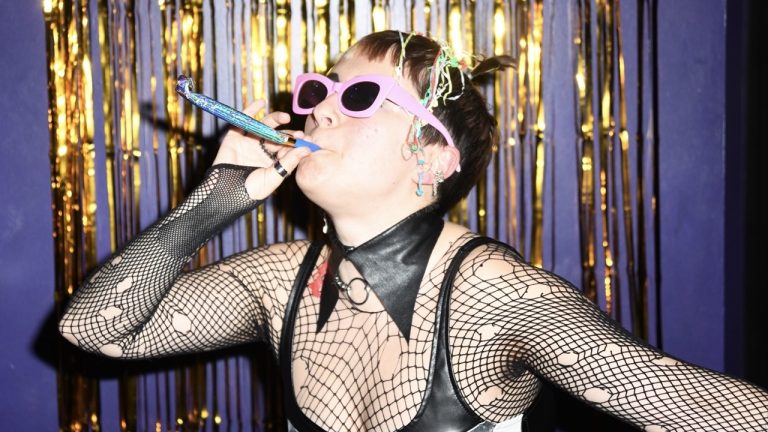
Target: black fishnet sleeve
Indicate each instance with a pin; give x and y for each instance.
(139, 304)
(515, 321)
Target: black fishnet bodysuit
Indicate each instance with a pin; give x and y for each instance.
(510, 324)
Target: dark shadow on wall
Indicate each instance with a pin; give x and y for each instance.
(756, 228)
(746, 291)
(59, 354)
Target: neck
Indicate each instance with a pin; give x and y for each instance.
(355, 229)
(391, 262)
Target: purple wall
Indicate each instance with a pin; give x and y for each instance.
(692, 131)
(27, 383)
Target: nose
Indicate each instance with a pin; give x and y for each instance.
(327, 113)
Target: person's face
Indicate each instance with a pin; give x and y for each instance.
(362, 160)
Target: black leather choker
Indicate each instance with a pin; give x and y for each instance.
(392, 264)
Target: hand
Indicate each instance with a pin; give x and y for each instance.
(240, 148)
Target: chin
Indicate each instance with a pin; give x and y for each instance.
(313, 178)
(327, 191)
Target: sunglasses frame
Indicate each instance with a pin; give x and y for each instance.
(388, 89)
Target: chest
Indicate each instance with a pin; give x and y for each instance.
(358, 372)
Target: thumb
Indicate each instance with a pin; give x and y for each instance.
(264, 181)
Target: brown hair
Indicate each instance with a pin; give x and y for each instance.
(467, 118)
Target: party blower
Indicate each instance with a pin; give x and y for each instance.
(184, 87)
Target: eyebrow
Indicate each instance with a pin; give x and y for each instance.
(334, 76)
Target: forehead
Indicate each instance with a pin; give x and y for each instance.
(353, 64)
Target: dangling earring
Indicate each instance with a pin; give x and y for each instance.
(437, 178)
(325, 225)
(420, 184)
(414, 144)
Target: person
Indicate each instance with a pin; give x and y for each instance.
(395, 319)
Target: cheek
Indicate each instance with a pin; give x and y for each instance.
(369, 153)
(383, 140)
(373, 151)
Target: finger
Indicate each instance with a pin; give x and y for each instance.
(276, 118)
(282, 148)
(263, 181)
(275, 151)
(282, 151)
(254, 108)
(289, 161)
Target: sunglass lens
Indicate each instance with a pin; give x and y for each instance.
(311, 94)
(360, 96)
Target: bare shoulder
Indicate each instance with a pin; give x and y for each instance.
(485, 348)
(450, 237)
(500, 269)
(270, 272)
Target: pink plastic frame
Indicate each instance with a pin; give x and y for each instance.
(389, 89)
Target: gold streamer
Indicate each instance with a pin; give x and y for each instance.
(640, 297)
(585, 133)
(606, 124)
(536, 110)
(505, 41)
(613, 175)
(72, 154)
(525, 160)
(266, 41)
(282, 57)
(637, 287)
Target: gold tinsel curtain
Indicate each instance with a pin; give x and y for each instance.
(124, 150)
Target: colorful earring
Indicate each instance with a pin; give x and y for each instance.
(420, 184)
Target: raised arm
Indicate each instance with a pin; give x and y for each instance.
(535, 320)
(139, 304)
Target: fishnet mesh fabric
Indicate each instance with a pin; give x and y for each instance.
(139, 304)
(359, 373)
(510, 324)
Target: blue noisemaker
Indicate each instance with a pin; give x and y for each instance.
(184, 87)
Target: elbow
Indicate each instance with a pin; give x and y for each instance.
(70, 331)
(67, 330)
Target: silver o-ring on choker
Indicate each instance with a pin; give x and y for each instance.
(346, 288)
(280, 169)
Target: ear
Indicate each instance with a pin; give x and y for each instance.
(449, 160)
(439, 157)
